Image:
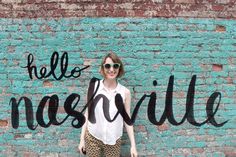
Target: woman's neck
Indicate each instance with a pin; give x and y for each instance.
(110, 84)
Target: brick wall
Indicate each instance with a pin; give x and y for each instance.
(151, 48)
(118, 8)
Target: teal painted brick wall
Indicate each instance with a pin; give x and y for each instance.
(151, 49)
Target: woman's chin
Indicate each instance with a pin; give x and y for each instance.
(111, 77)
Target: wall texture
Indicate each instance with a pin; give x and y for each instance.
(118, 8)
(151, 48)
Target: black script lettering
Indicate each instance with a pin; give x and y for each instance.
(91, 93)
(118, 102)
(189, 114)
(52, 111)
(105, 106)
(28, 112)
(53, 64)
(168, 111)
(94, 100)
(209, 109)
(70, 110)
(121, 109)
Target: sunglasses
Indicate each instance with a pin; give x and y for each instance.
(114, 65)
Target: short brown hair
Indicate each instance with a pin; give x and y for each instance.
(115, 59)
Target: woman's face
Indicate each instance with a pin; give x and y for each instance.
(111, 69)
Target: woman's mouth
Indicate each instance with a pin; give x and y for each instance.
(111, 73)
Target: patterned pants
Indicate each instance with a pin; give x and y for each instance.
(95, 147)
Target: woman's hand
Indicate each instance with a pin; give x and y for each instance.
(81, 147)
(133, 152)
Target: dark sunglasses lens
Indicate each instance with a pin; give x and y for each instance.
(107, 66)
(116, 66)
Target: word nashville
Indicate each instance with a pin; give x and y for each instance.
(78, 117)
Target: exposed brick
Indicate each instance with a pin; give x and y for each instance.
(71, 6)
(222, 1)
(185, 1)
(11, 1)
(3, 123)
(141, 128)
(230, 154)
(115, 8)
(16, 136)
(30, 154)
(204, 138)
(61, 110)
(47, 83)
(197, 150)
(220, 28)
(89, 61)
(217, 67)
(5, 7)
(218, 7)
(229, 80)
(163, 127)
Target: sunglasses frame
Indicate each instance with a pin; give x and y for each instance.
(111, 65)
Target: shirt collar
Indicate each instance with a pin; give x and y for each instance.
(102, 87)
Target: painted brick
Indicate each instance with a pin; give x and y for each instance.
(151, 48)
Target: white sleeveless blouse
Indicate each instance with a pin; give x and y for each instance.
(107, 132)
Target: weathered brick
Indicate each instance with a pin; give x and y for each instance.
(139, 8)
(230, 154)
(141, 128)
(47, 83)
(197, 150)
(220, 28)
(163, 127)
(217, 67)
(218, 7)
(151, 48)
(3, 123)
(184, 1)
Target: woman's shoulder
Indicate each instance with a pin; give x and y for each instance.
(126, 90)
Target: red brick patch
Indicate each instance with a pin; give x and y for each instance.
(217, 67)
(47, 83)
(163, 127)
(230, 154)
(220, 28)
(3, 123)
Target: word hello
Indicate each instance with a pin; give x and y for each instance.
(53, 65)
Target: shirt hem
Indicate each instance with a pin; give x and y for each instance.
(102, 140)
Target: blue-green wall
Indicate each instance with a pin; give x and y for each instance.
(151, 49)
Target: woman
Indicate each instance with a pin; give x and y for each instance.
(104, 136)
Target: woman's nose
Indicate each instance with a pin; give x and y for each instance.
(111, 68)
